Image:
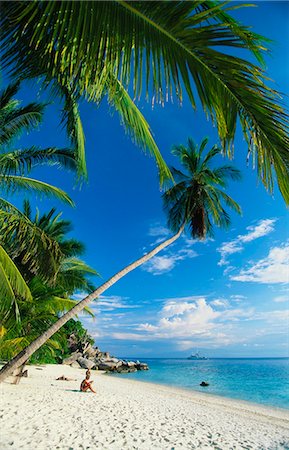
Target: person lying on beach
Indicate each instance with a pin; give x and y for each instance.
(86, 384)
(64, 378)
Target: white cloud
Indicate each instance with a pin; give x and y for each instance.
(275, 317)
(220, 302)
(111, 302)
(79, 296)
(162, 264)
(273, 269)
(182, 319)
(130, 336)
(263, 228)
(237, 297)
(159, 231)
(281, 299)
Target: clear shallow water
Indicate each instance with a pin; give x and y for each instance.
(264, 381)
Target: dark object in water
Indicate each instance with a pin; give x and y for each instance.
(204, 383)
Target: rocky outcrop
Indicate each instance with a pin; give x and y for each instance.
(85, 363)
(72, 358)
(92, 358)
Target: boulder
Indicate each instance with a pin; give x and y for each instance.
(126, 369)
(76, 365)
(90, 352)
(204, 383)
(141, 366)
(108, 366)
(72, 358)
(85, 363)
(131, 364)
(111, 360)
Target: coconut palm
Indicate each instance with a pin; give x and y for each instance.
(194, 203)
(15, 164)
(43, 310)
(48, 300)
(160, 49)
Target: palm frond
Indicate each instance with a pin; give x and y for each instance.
(13, 183)
(15, 119)
(136, 125)
(171, 47)
(28, 243)
(72, 121)
(227, 171)
(22, 161)
(196, 201)
(12, 285)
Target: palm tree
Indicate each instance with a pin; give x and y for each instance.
(48, 300)
(14, 165)
(161, 49)
(194, 203)
(43, 310)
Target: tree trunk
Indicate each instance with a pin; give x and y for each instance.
(35, 345)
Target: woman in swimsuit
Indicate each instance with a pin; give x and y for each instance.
(85, 384)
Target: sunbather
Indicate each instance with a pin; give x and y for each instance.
(86, 384)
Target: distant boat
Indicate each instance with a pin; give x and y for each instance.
(197, 356)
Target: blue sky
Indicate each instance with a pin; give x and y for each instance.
(227, 296)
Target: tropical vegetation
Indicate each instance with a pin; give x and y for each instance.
(50, 298)
(15, 164)
(194, 203)
(163, 50)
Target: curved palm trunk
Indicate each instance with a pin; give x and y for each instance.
(35, 345)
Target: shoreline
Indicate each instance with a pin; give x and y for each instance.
(206, 395)
(46, 414)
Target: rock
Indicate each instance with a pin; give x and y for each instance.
(142, 366)
(76, 365)
(85, 363)
(90, 352)
(125, 369)
(72, 358)
(131, 364)
(108, 366)
(73, 342)
(204, 383)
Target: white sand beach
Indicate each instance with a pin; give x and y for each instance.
(42, 413)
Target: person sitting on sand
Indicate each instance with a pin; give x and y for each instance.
(86, 384)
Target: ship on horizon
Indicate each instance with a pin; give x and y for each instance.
(197, 356)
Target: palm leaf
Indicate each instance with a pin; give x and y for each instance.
(135, 123)
(196, 200)
(12, 285)
(22, 161)
(14, 183)
(14, 119)
(172, 45)
(29, 243)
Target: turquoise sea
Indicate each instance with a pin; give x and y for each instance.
(262, 380)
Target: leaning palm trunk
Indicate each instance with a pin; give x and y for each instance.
(31, 348)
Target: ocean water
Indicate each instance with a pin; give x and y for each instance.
(264, 381)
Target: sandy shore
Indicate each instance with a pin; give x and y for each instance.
(42, 413)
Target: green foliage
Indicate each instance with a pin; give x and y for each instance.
(160, 49)
(15, 226)
(48, 300)
(57, 354)
(196, 199)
